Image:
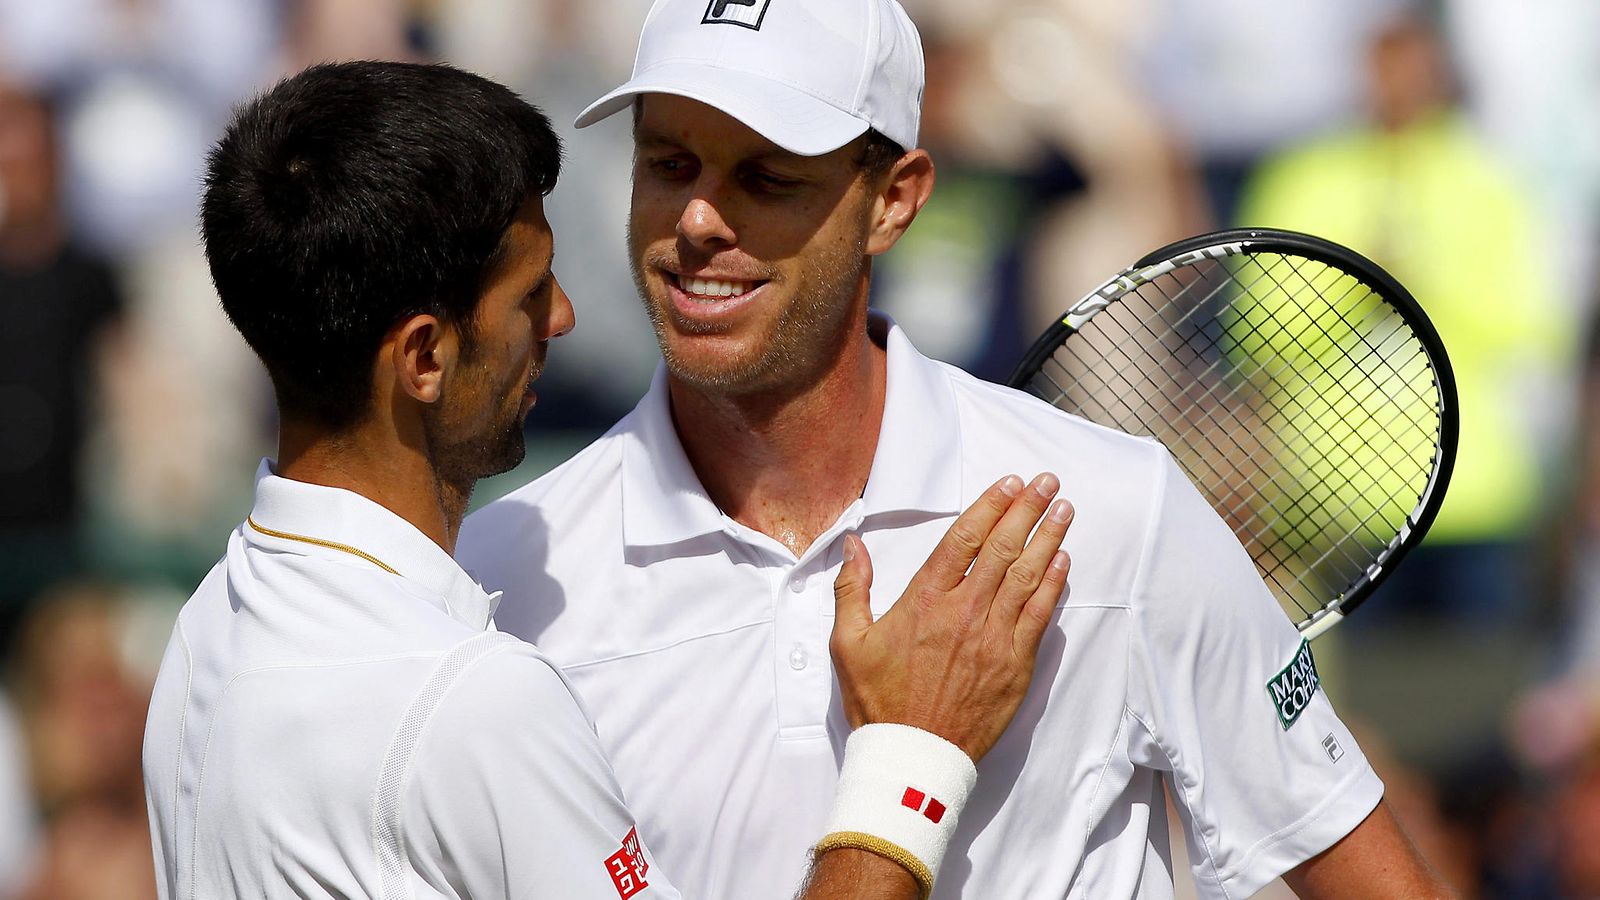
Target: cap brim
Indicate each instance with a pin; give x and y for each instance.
(792, 119)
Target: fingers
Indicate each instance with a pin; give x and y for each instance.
(1024, 575)
(957, 658)
(1008, 539)
(950, 560)
(1034, 619)
(852, 591)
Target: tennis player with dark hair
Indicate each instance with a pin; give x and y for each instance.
(680, 567)
(336, 715)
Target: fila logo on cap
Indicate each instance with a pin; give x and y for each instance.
(913, 799)
(817, 79)
(745, 13)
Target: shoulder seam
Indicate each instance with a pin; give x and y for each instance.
(177, 776)
(1156, 508)
(1177, 784)
(394, 773)
(1105, 766)
(1157, 505)
(952, 395)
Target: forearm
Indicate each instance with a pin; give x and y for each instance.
(846, 873)
(1376, 860)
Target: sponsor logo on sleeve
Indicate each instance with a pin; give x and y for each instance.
(1291, 690)
(627, 866)
(747, 13)
(1331, 744)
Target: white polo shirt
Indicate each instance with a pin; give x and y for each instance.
(702, 647)
(336, 717)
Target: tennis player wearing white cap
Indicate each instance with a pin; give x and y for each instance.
(336, 715)
(680, 567)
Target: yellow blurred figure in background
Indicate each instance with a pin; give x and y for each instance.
(1420, 195)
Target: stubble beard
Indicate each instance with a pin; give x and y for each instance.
(790, 356)
(461, 461)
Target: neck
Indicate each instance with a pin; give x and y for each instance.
(788, 464)
(386, 471)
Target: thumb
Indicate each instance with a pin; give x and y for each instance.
(852, 591)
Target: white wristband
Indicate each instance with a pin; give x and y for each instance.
(900, 793)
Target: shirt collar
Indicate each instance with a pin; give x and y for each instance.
(917, 465)
(663, 500)
(315, 515)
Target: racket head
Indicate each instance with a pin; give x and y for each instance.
(1317, 367)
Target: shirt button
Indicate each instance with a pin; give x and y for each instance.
(797, 583)
(798, 658)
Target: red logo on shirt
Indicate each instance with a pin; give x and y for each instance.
(934, 810)
(627, 866)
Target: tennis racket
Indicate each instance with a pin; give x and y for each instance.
(1299, 386)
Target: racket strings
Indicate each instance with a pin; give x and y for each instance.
(1299, 401)
(1362, 527)
(1361, 330)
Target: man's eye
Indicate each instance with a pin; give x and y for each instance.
(668, 167)
(767, 181)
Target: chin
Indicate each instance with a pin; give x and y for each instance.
(697, 358)
(510, 452)
(720, 355)
(464, 463)
(725, 374)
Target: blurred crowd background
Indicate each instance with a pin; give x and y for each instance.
(1455, 142)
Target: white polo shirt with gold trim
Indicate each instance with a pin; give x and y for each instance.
(702, 647)
(337, 717)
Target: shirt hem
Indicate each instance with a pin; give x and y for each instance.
(1323, 828)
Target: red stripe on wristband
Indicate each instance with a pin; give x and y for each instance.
(913, 799)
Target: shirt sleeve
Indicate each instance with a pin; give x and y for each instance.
(1263, 772)
(511, 796)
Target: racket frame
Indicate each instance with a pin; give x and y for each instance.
(1246, 241)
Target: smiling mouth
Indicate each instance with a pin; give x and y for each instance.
(711, 290)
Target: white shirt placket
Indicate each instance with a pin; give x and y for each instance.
(802, 603)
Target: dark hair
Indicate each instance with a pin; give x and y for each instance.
(879, 154)
(353, 195)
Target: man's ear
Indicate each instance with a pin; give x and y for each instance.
(901, 193)
(420, 351)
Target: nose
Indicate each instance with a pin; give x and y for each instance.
(703, 225)
(561, 319)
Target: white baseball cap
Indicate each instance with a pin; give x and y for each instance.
(807, 75)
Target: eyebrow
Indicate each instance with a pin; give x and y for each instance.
(547, 271)
(642, 135)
